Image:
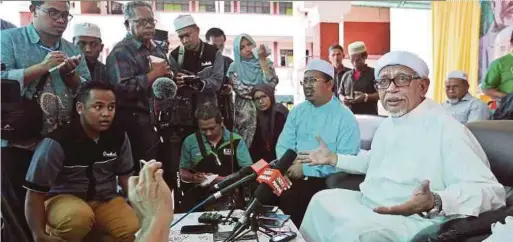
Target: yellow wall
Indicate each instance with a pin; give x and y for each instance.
(455, 42)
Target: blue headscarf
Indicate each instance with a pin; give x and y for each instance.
(248, 71)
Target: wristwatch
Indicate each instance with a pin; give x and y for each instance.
(437, 209)
(366, 97)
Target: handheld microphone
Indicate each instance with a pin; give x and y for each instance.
(164, 88)
(262, 192)
(255, 169)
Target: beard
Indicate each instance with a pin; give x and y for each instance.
(453, 100)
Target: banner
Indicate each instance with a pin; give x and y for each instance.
(495, 32)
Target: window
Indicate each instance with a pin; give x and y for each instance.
(207, 6)
(173, 6)
(255, 7)
(227, 6)
(285, 8)
(286, 57)
(115, 7)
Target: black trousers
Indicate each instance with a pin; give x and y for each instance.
(294, 201)
(141, 133)
(15, 163)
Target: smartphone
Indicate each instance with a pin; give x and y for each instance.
(283, 237)
(267, 51)
(199, 229)
(222, 236)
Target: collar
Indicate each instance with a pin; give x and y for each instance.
(225, 137)
(80, 134)
(138, 44)
(332, 100)
(34, 37)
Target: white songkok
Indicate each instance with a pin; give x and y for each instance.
(86, 29)
(183, 21)
(356, 48)
(322, 66)
(402, 58)
(458, 75)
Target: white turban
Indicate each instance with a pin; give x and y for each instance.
(86, 29)
(458, 75)
(322, 66)
(356, 48)
(183, 21)
(402, 58)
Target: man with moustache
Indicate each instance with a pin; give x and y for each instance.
(336, 57)
(357, 85)
(72, 179)
(29, 54)
(322, 114)
(460, 104)
(414, 176)
(88, 38)
(132, 72)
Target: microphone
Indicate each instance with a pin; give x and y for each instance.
(164, 88)
(254, 169)
(263, 191)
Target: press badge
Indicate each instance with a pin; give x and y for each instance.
(227, 151)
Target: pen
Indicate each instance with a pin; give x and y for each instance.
(55, 67)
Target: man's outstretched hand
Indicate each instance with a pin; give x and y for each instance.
(320, 156)
(422, 200)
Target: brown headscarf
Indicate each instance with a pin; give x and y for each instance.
(266, 119)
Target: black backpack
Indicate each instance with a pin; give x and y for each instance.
(505, 109)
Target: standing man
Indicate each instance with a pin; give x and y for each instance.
(88, 38)
(73, 177)
(498, 80)
(460, 104)
(423, 168)
(130, 70)
(29, 54)
(216, 37)
(336, 57)
(357, 86)
(322, 114)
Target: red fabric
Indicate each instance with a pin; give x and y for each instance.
(357, 74)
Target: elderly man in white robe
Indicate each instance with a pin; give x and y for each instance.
(423, 168)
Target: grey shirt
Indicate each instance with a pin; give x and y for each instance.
(48, 173)
(468, 109)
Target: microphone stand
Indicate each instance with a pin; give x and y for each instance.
(253, 226)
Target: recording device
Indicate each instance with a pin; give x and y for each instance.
(164, 88)
(199, 229)
(262, 193)
(283, 237)
(267, 51)
(194, 82)
(210, 218)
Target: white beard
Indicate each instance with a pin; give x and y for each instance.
(453, 101)
(398, 114)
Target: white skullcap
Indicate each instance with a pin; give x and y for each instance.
(183, 21)
(356, 48)
(322, 66)
(86, 29)
(402, 58)
(457, 74)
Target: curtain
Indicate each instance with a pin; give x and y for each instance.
(455, 42)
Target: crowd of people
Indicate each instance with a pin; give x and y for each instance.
(102, 124)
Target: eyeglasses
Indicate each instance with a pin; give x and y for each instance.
(144, 21)
(308, 80)
(56, 14)
(399, 81)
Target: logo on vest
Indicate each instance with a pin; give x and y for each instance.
(227, 151)
(7, 127)
(109, 154)
(208, 63)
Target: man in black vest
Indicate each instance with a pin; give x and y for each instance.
(73, 176)
(216, 37)
(209, 155)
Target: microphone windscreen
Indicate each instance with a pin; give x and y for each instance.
(164, 88)
(286, 161)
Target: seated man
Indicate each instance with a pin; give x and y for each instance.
(212, 150)
(460, 104)
(423, 167)
(321, 115)
(71, 182)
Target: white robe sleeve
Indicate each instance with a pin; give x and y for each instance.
(354, 164)
(471, 187)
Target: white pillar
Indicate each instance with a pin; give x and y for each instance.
(299, 48)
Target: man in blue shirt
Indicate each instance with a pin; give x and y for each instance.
(322, 115)
(33, 54)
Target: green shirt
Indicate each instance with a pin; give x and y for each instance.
(500, 75)
(191, 153)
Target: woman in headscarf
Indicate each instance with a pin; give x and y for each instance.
(271, 117)
(246, 71)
